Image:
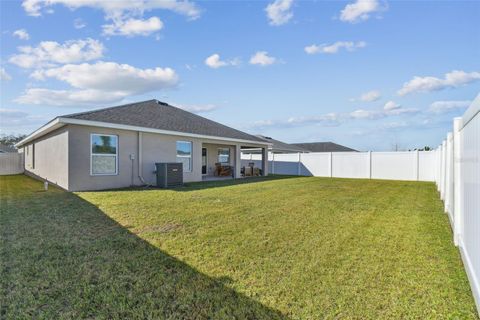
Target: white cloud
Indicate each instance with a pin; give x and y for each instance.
(98, 83)
(4, 75)
(21, 34)
(116, 8)
(133, 27)
(18, 120)
(262, 58)
(79, 24)
(395, 125)
(391, 105)
(215, 62)
(326, 119)
(369, 96)
(42, 96)
(279, 12)
(334, 119)
(196, 108)
(49, 53)
(10, 114)
(126, 16)
(366, 114)
(452, 79)
(448, 106)
(334, 47)
(360, 10)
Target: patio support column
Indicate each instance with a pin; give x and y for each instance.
(238, 161)
(265, 162)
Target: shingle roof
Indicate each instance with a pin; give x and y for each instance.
(159, 115)
(279, 146)
(322, 147)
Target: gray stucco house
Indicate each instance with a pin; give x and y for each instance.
(118, 147)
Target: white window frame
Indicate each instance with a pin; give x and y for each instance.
(229, 155)
(103, 155)
(190, 157)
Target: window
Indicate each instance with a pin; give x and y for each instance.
(104, 154)
(224, 155)
(184, 155)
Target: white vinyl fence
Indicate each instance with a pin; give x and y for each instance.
(411, 165)
(458, 181)
(11, 163)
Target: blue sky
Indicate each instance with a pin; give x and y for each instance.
(368, 74)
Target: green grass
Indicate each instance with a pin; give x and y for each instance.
(294, 248)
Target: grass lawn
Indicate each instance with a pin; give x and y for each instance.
(294, 248)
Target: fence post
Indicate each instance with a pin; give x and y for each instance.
(457, 180)
(299, 163)
(369, 164)
(273, 162)
(442, 170)
(330, 164)
(438, 166)
(417, 165)
(448, 174)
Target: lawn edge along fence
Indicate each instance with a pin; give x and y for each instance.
(454, 166)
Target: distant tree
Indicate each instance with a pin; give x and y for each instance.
(11, 139)
(426, 148)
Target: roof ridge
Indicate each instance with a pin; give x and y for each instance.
(107, 108)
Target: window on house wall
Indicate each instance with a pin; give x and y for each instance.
(184, 154)
(104, 154)
(224, 155)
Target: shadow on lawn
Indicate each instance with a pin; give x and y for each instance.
(65, 258)
(191, 186)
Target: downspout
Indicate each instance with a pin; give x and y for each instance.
(140, 167)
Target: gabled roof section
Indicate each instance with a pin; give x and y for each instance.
(149, 116)
(280, 146)
(323, 147)
(159, 115)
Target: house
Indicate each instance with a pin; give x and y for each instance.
(322, 147)
(118, 147)
(277, 146)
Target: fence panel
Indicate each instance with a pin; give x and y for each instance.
(394, 165)
(427, 165)
(11, 163)
(469, 216)
(351, 165)
(316, 164)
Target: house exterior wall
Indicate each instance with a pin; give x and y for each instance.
(80, 156)
(47, 157)
(154, 147)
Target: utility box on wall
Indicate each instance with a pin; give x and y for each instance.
(169, 174)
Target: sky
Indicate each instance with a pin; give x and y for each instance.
(371, 75)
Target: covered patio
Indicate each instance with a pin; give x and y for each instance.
(223, 161)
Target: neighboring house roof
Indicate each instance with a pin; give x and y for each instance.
(7, 149)
(150, 116)
(322, 147)
(279, 146)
